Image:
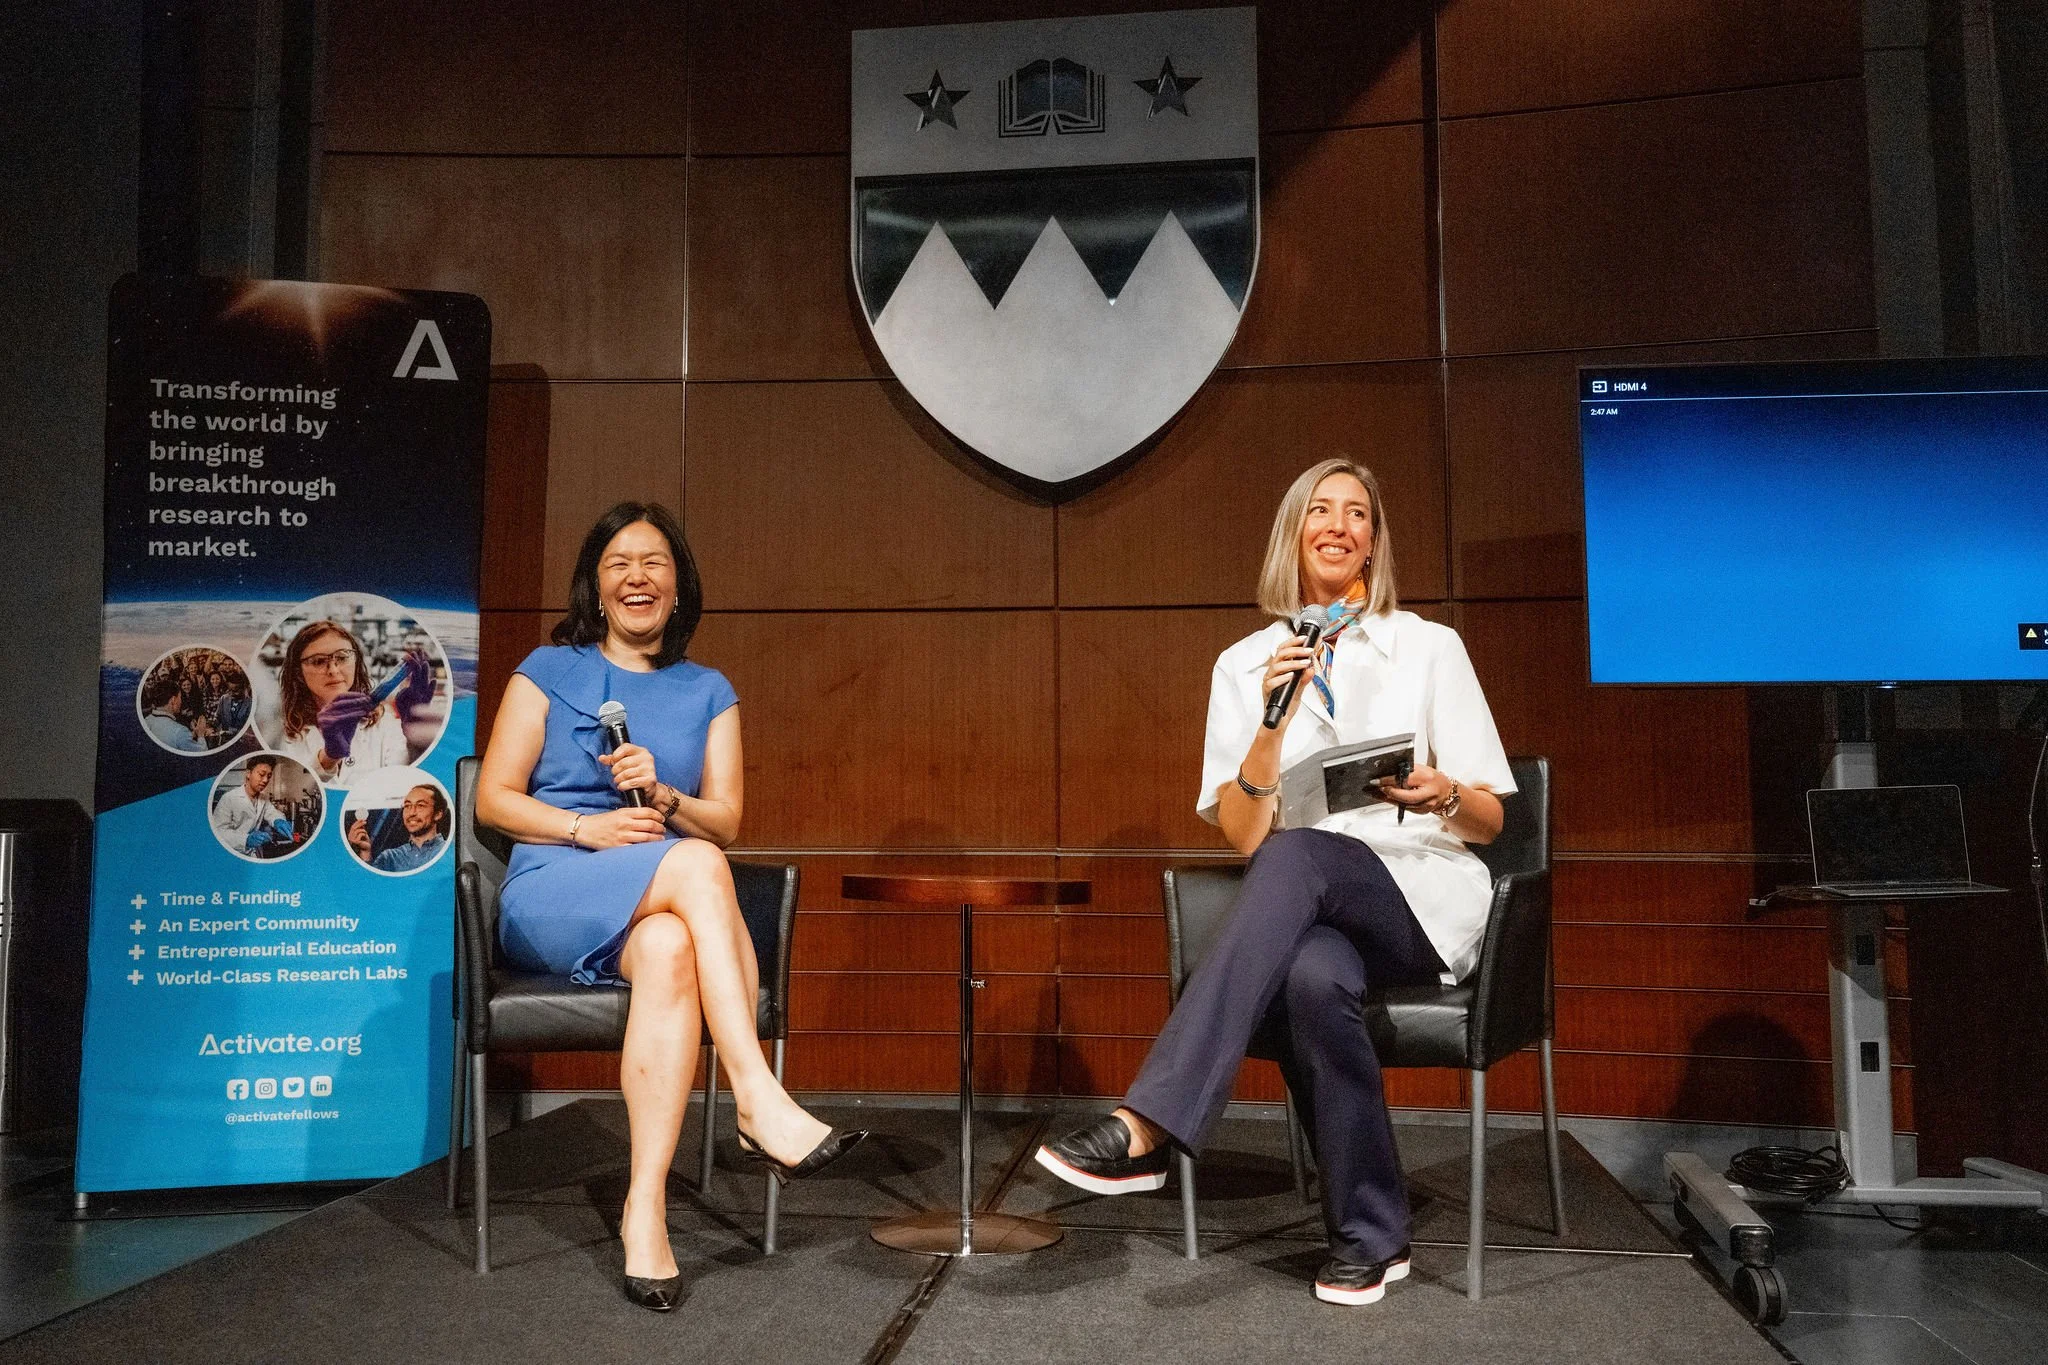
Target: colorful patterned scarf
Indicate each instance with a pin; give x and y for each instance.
(1342, 613)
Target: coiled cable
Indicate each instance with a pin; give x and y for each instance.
(1793, 1171)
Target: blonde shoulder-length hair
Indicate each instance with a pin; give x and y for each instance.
(1280, 578)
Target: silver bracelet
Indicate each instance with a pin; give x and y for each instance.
(1259, 793)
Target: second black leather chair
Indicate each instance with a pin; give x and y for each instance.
(1503, 1007)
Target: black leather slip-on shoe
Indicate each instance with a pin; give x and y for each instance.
(836, 1144)
(1351, 1284)
(659, 1296)
(1094, 1158)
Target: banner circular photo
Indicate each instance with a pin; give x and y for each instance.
(397, 821)
(349, 683)
(266, 807)
(193, 700)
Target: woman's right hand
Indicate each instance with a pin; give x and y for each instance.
(1288, 660)
(626, 825)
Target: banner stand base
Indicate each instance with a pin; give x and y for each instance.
(208, 1199)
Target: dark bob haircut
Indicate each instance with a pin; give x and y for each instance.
(584, 625)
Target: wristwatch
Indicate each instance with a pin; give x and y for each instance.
(674, 804)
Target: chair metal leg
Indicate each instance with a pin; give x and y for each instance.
(1550, 1140)
(1192, 1248)
(1475, 1222)
(480, 1161)
(1295, 1142)
(774, 1199)
(457, 1086)
(710, 1120)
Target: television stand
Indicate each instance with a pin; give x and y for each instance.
(1708, 1204)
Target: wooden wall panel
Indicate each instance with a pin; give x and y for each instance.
(1120, 1006)
(1627, 763)
(504, 638)
(1129, 885)
(1004, 1064)
(1692, 1089)
(524, 76)
(1658, 891)
(1106, 1067)
(774, 304)
(1340, 64)
(1517, 520)
(1343, 260)
(1715, 216)
(899, 1002)
(845, 496)
(1113, 945)
(1779, 1026)
(1134, 689)
(580, 259)
(608, 443)
(1495, 56)
(1187, 525)
(515, 489)
(889, 941)
(1704, 957)
(888, 730)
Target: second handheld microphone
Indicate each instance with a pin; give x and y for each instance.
(612, 716)
(1308, 628)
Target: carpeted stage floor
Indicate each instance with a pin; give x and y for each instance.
(386, 1275)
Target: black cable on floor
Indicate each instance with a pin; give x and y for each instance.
(1794, 1171)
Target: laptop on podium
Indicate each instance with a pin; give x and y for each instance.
(1890, 843)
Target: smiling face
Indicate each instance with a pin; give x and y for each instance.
(255, 778)
(1336, 538)
(636, 584)
(328, 665)
(418, 812)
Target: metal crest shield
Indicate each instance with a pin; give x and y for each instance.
(1056, 223)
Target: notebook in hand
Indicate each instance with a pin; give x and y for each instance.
(1341, 778)
(1890, 843)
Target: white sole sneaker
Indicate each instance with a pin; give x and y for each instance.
(1095, 1184)
(1353, 1298)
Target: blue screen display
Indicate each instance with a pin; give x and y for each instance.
(1870, 521)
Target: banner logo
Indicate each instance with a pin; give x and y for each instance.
(1054, 276)
(427, 333)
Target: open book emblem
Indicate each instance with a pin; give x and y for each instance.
(1054, 272)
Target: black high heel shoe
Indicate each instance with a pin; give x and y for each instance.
(837, 1144)
(657, 1296)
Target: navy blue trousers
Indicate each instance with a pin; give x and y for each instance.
(1318, 923)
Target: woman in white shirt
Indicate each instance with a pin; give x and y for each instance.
(1380, 895)
(332, 723)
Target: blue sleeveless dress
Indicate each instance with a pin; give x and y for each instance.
(565, 910)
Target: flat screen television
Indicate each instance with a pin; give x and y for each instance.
(1832, 522)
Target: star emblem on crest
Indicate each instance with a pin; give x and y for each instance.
(1169, 91)
(935, 103)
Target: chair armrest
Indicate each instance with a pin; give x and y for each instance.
(1512, 998)
(472, 957)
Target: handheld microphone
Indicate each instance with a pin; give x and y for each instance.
(1309, 630)
(612, 716)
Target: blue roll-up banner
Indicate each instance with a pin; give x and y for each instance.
(287, 677)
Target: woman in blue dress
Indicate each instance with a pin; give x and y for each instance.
(612, 893)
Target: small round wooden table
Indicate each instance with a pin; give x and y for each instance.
(938, 1232)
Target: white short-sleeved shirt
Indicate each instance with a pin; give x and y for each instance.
(1392, 674)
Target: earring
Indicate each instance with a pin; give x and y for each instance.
(600, 611)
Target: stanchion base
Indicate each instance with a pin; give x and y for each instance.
(938, 1233)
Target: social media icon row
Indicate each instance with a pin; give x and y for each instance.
(269, 1087)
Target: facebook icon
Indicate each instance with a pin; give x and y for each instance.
(238, 1089)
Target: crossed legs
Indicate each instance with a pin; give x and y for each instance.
(689, 957)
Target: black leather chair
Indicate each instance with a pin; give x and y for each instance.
(1503, 1007)
(498, 1009)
